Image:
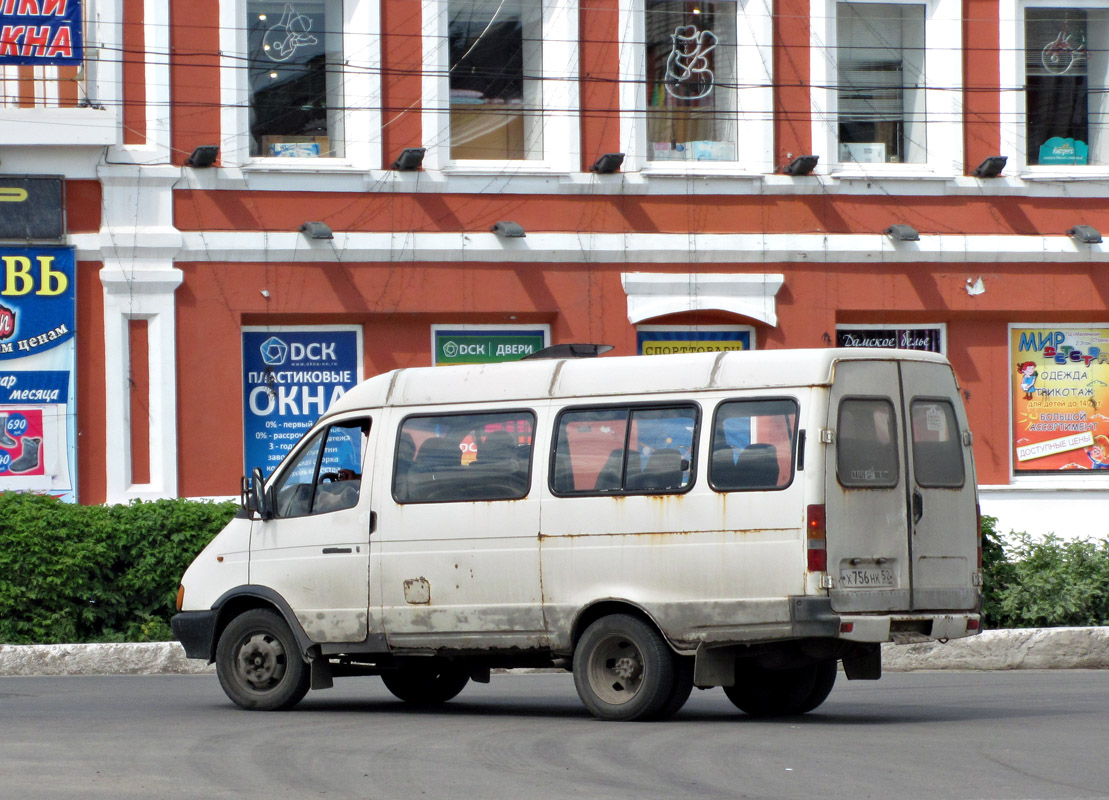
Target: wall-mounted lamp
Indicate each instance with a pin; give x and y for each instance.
(203, 156)
(991, 167)
(409, 160)
(902, 233)
(608, 163)
(1087, 234)
(802, 165)
(316, 230)
(509, 230)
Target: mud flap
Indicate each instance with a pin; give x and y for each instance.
(864, 666)
(319, 669)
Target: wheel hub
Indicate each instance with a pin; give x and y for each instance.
(627, 668)
(261, 660)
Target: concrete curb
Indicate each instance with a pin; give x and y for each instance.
(1033, 648)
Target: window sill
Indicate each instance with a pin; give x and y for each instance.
(285, 164)
(504, 168)
(1050, 483)
(871, 172)
(710, 169)
(1093, 174)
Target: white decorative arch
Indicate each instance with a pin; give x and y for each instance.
(654, 294)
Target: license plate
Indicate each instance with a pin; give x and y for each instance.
(866, 578)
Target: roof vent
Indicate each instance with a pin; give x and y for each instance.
(569, 351)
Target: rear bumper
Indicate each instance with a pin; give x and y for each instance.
(196, 631)
(814, 617)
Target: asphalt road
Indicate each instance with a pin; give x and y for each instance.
(965, 735)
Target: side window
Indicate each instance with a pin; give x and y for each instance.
(463, 457)
(753, 445)
(937, 450)
(327, 474)
(624, 450)
(866, 444)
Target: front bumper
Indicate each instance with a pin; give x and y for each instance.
(196, 630)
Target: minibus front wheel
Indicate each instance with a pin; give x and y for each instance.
(258, 663)
(624, 670)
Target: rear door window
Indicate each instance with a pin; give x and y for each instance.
(937, 445)
(866, 443)
(753, 445)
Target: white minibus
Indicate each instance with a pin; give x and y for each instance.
(748, 520)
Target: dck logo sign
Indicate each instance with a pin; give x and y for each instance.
(274, 352)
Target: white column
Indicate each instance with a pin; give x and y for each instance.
(138, 243)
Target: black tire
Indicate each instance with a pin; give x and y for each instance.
(426, 684)
(781, 692)
(683, 687)
(259, 664)
(822, 686)
(623, 669)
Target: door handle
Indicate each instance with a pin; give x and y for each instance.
(329, 550)
(918, 506)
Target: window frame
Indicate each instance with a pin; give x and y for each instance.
(361, 93)
(943, 92)
(793, 444)
(1014, 104)
(754, 61)
(560, 96)
(698, 414)
(504, 412)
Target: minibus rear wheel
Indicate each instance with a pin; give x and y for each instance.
(258, 663)
(623, 669)
(771, 693)
(426, 684)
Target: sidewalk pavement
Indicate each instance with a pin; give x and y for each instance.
(1033, 648)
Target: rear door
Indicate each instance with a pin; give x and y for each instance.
(900, 495)
(943, 503)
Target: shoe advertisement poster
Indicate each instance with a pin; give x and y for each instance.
(38, 349)
(291, 375)
(1059, 383)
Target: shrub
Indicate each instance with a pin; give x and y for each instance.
(71, 573)
(1045, 582)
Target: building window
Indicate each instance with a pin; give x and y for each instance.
(887, 91)
(881, 99)
(691, 77)
(295, 64)
(1065, 63)
(500, 85)
(496, 99)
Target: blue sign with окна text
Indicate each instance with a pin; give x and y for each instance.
(41, 32)
(290, 378)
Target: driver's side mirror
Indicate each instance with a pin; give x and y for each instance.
(255, 497)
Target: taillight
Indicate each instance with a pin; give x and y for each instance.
(180, 596)
(817, 538)
(972, 624)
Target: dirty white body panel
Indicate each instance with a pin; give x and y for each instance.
(709, 567)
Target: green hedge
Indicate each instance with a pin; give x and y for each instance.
(72, 573)
(1043, 583)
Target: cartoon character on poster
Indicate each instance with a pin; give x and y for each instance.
(1098, 453)
(1028, 382)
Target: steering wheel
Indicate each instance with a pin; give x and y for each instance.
(329, 476)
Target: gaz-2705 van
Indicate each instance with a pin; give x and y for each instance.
(747, 520)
